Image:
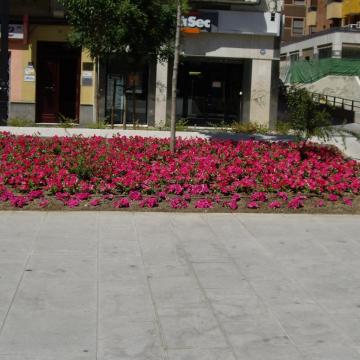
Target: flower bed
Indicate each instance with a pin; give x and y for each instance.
(141, 172)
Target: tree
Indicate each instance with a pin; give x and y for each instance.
(175, 78)
(138, 30)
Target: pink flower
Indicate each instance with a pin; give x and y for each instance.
(122, 203)
(19, 201)
(149, 202)
(135, 195)
(283, 195)
(44, 203)
(233, 205)
(297, 202)
(236, 197)
(253, 205)
(333, 197)
(95, 202)
(178, 203)
(275, 205)
(320, 203)
(72, 203)
(347, 201)
(204, 204)
(258, 196)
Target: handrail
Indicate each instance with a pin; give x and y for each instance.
(335, 101)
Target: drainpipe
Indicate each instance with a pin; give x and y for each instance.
(4, 61)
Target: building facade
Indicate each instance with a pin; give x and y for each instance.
(49, 79)
(307, 17)
(229, 68)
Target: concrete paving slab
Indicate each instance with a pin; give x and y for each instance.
(160, 286)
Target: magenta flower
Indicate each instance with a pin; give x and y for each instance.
(275, 205)
(178, 203)
(253, 205)
(258, 196)
(44, 203)
(283, 195)
(204, 204)
(149, 202)
(135, 195)
(95, 202)
(333, 197)
(347, 201)
(121, 203)
(72, 203)
(320, 203)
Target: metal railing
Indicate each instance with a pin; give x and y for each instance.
(337, 102)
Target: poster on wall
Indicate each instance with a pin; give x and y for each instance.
(29, 73)
(16, 31)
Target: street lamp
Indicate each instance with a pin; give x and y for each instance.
(4, 61)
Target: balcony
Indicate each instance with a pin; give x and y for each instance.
(334, 10)
(311, 18)
(351, 7)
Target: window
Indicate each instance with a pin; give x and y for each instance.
(294, 56)
(312, 30)
(299, 2)
(325, 52)
(298, 27)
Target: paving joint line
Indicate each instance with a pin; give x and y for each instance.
(296, 282)
(254, 290)
(27, 260)
(209, 304)
(147, 279)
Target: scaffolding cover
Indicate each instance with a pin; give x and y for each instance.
(308, 71)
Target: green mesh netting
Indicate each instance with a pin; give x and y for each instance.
(305, 72)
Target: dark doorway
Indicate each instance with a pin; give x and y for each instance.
(210, 92)
(58, 82)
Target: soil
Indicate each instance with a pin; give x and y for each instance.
(310, 207)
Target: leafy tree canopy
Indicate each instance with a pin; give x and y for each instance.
(134, 28)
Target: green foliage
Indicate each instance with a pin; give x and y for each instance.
(306, 117)
(101, 124)
(283, 127)
(66, 122)
(249, 128)
(135, 28)
(18, 122)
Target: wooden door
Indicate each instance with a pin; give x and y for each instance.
(48, 90)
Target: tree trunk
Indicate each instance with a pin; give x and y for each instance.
(174, 80)
(134, 101)
(98, 94)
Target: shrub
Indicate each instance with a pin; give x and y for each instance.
(19, 122)
(307, 118)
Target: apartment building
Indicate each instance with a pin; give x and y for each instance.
(306, 17)
(229, 68)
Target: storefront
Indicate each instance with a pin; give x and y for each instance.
(228, 72)
(50, 81)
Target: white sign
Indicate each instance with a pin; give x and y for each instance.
(16, 31)
(29, 78)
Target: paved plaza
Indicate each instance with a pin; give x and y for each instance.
(157, 286)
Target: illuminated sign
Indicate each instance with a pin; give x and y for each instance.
(196, 22)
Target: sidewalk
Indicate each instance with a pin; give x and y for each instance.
(145, 286)
(351, 148)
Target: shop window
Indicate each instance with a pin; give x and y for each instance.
(351, 52)
(298, 27)
(325, 52)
